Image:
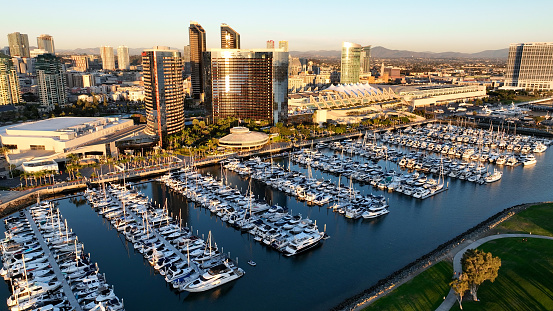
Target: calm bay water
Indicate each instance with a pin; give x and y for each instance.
(358, 254)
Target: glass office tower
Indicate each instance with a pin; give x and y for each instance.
(350, 64)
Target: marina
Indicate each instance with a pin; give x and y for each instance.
(68, 281)
(358, 254)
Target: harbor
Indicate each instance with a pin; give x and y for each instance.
(358, 253)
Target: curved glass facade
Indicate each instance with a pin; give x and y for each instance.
(350, 63)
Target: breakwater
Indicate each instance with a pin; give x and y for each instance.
(386, 285)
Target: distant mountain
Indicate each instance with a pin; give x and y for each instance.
(96, 51)
(382, 52)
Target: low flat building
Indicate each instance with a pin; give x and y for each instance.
(436, 94)
(56, 137)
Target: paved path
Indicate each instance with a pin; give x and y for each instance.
(59, 275)
(450, 300)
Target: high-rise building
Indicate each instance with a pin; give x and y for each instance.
(19, 44)
(230, 39)
(108, 59)
(80, 62)
(350, 63)
(46, 42)
(196, 35)
(365, 59)
(530, 66)
(9, 82)
(270, 44)
(164, 91)
(123, 58)
(52, 85)
(283, 45)
(246, 84)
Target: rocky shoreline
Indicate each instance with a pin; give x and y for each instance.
(386, 285)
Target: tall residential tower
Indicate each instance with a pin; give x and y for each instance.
(19, 44)
(123, 58)
(9, 82)
(230, 39)
(46, 42)
(350, 63)
(164, 91)
(52, 84)
(108, 59)
(365, 59)
(246, 84)
(530, 66)
(196, 35)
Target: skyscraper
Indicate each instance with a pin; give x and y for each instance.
(350, 63)
(46, 42)
(530, 66)
(365, 59)
(164, 92)
(283, 45)
(230, 39)
(270, 44)
(123, 58)
(108, 60)
(196, 36)
(246, 84)
(52, 84)
(9, 82)
(19, 44)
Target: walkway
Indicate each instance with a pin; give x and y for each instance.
(168, 245)
(59, 275)
(450, 300)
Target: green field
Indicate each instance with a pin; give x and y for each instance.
(535, 219)
(525, 280)
(424, 292)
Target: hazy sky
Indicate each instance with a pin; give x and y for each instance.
(438, 26)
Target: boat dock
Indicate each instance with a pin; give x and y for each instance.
(168, 245)
(59, 275)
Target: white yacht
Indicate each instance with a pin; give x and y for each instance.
(529, 160)
(494, 177)
(214, 277)
(302, 242)
(374, 212)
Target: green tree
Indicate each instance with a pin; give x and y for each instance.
(478, 267)
(460, 287)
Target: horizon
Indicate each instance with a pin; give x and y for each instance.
(430, 26)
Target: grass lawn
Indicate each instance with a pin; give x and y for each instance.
(536, 219)
(423, 292)
(525, 280)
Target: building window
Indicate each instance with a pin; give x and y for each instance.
(37, 147)
(10, 146)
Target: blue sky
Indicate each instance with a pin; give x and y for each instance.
(438, 26)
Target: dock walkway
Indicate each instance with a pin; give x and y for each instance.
(59, 275)
(168, 245)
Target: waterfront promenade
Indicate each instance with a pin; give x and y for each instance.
(450, 300)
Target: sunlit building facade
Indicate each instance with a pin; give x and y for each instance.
(530, 66)
(230, 39)
(123, 58)
(164, 91)
(365, 59)
(108, 59)
(350, 63)
(9, 82)
(52, 84)
(196, 34)
(246, 84)
(19, 44)
(46, 42)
